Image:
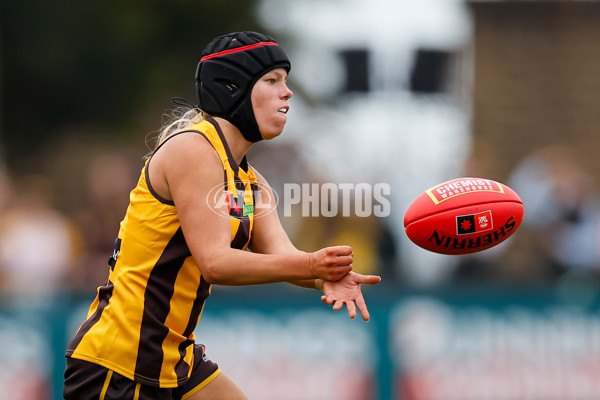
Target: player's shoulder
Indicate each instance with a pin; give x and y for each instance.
(188, 149)
(259, 177)
(184, 143)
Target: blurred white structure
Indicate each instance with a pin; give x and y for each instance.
(386, 128)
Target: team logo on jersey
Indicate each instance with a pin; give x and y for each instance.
(473, 223)
(258, 201)
(235, 205)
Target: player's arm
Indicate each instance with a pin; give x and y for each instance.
(270, 237)
(185, 169)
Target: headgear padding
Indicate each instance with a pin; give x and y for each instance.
(228, 69)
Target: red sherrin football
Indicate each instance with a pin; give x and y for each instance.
(464, 215)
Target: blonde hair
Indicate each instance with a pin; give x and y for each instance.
(177, 120)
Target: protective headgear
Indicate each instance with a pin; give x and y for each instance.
(228, 69)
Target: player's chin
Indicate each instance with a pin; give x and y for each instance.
(271, 133)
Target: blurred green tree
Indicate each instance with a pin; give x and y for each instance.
(98, 64)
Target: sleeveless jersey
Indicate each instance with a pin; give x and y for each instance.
(141, 322)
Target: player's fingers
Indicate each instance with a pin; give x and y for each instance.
(339, 255)
(338, 305)
(362, 307)
(342, 261)
(342, 250)
(351, 309)
(337, 273)
(368, 279)
(326, 300)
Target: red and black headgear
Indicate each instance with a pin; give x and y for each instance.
(228, 69)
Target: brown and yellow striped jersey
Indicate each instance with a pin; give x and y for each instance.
(141, 322)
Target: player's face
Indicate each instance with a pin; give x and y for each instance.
(269, 98)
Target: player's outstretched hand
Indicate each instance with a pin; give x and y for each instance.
(347, 291)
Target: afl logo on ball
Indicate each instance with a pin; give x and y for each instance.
(474, 223)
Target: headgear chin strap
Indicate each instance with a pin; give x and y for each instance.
(228, 69)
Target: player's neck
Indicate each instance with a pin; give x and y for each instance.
(238, 145)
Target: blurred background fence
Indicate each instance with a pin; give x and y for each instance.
(407, 94)
(460, 342)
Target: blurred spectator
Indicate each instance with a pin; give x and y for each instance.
(562, 208)
(38, 245)
(110, 178)
(6, 190)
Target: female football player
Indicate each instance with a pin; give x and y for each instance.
(190, 220)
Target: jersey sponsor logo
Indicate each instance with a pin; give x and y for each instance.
(457, 187)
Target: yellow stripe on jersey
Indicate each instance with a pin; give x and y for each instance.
(200, 386)
(106, 383)
(136, 395)
(141, 323)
